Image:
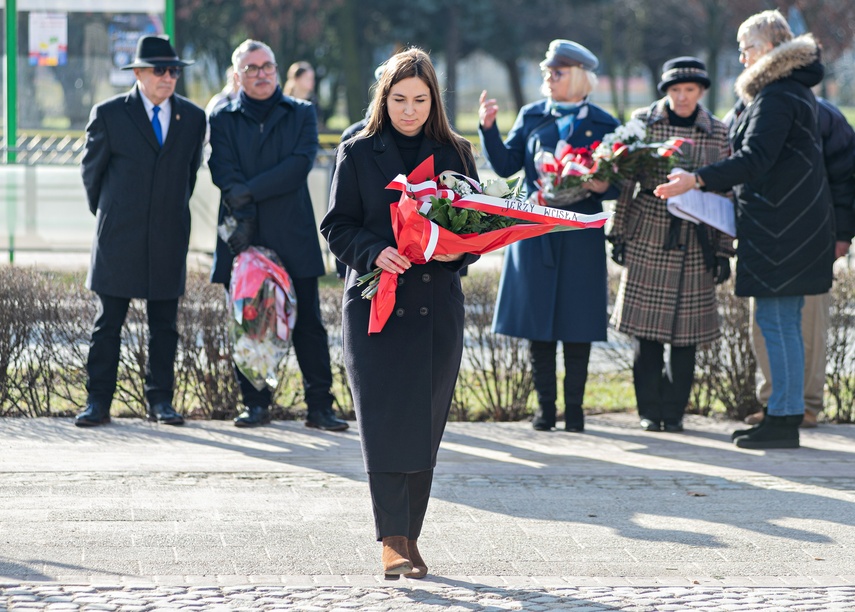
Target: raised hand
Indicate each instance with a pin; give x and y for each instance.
(487, 110)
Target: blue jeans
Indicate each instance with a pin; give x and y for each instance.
(780, 321)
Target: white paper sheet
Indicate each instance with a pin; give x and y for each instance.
(702, 207)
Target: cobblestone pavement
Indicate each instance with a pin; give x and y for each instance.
(451, 598)
(136, 516)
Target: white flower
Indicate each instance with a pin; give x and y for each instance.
(446, 179)
(497, 188)
(462, 188)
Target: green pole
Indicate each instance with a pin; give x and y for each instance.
(11, 122)
(11, 88)
(169, 19)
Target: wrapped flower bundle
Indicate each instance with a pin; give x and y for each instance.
(429, 210)
(625, 153)
(263, 309)
(622, 154)
(561, 174)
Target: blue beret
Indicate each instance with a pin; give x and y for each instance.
(568, 53)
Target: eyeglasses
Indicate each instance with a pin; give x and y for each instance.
(174, 71)
(553, 75)
(744, 50)
(253, 70)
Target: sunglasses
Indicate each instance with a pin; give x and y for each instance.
(174, 71)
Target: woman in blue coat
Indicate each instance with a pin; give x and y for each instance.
(554, 287)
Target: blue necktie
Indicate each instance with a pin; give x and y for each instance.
(155, 123)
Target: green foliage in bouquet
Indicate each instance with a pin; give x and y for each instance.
(465, 220)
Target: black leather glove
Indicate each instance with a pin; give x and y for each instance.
(241, 239)
(618, 249)
(721, 271)
(238, 199)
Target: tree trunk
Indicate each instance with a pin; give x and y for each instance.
(452, 57)
(610, 61)
(348, 30)
(715, 22)
(515, 81)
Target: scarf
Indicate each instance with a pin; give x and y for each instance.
(258, 110)
(567, 113)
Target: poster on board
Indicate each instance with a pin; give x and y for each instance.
(48, 44)
(124, 31)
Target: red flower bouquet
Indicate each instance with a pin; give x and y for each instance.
(622, 154)
(498, 223)
(263, 312)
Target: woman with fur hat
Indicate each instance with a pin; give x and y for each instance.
(784, 222)
(667, 290)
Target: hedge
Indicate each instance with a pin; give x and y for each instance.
(46, 318)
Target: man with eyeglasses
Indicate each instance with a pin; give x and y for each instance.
(142, 151)
(263, 146)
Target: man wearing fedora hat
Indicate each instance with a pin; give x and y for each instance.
(143, 149)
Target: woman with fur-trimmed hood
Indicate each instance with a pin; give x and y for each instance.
(784, 221)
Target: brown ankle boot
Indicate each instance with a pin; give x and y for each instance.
(419, 566)
(395, 560)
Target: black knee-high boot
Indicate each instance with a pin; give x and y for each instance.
(545, 385)
(576, 357)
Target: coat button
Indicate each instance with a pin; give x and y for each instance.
(400, 281)
(425, 278)
(423, 311)
(399, 312)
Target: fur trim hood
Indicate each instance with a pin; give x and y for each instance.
(777, 64)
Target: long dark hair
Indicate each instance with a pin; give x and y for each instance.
(413, 62)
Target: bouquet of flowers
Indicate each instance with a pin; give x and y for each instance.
(625, 153)
(561, 174)
(429, 211)
(263, 309)
(621, 154)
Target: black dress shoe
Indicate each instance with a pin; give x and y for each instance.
(325, 419)
(253, 416)
(94, 415)
(650, 425)
(574, 419)
(673, 427)
(541, 424)
(164, 413)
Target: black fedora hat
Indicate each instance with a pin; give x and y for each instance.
(155, 51)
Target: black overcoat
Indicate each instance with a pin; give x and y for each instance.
(403, 377)
(784, 219)
(139, 193)
(273, 160)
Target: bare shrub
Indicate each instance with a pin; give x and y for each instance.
(495, 378)
(27, 310)
(205, 384)
(725, 369)
(331, 315)
(840, 355)
(72, 329)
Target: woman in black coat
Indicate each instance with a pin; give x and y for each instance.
(403, 377)
(784, 222)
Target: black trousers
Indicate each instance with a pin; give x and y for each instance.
(311, 347)
(105, 345)
(400, 502)
(576, 357)
(662, 393)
